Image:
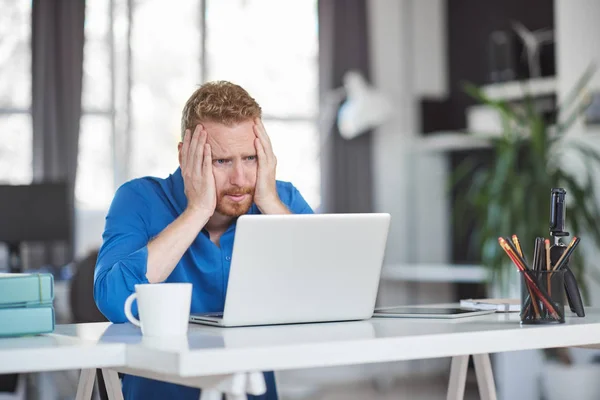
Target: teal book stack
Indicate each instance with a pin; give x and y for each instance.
(26, 304)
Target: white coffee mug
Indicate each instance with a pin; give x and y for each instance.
(164, 308)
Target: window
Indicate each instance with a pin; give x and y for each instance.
(141, 65)
(15, 93)
(95, 170)
(142, 60)
(166, 67)
(270, 47)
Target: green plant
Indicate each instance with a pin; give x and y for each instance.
(513, 196)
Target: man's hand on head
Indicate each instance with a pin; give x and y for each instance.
(196, 169)
(265, 195)
(166, 249)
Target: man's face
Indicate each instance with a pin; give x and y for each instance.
(234, 165)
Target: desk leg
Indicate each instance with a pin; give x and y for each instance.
(256, 383)
(112, 383)
(86, 384)
(209, 394)
(233, 386)
(236, 397)
(485, 377)
(458, 378)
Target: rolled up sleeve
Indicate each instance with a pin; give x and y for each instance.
(123, 256)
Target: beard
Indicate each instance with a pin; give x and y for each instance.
(230, 208)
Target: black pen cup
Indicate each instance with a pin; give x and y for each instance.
(542, 297)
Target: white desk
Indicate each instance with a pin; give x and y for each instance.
(67, 351)
(70, 351)
(209, 351)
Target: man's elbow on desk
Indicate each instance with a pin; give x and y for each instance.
(110, 293)
(154, 276)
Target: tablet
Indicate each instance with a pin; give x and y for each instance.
(428, 312)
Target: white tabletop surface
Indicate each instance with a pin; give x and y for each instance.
(72, 349)
(210, 350)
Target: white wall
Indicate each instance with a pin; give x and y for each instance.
(391, 73)
(409, 185)
(577, 32)
(430, 55)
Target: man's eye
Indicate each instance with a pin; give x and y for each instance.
(220, 161)
(251, 158)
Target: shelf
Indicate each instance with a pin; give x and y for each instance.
(435, 273)
(516, 90)
(451, 141)
(457, 141)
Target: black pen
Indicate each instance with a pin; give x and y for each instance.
(517, 254)
(536, 254)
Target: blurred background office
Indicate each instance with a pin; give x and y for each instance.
(91, 94)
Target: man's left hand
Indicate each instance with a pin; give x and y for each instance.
(265, 195)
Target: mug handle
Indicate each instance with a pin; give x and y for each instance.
(128, 313)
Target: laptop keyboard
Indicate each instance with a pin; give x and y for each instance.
(214, 315)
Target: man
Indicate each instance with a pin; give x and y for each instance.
(181, 229)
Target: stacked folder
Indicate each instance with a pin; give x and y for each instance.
(26, 304)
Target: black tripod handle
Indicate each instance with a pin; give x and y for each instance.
(573, 294)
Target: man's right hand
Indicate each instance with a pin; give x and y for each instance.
(196, 169)
(166, 249)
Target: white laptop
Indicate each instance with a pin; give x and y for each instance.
(303, 268)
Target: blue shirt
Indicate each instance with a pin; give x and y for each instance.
(141, 209)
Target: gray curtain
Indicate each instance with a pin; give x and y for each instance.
(346, 165)
(57, 66)
(57, 70)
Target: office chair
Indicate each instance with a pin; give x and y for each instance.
(13, 387)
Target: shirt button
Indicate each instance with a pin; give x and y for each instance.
(228, 258)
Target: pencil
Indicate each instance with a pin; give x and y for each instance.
(515, 240)
(547, 243)
(562, 261)
(543, 297)
(509, 250)
(521, 265)
(534, 287)
(510, 244)
(531, 301)
(548, 266)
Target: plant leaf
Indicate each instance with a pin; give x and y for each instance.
(513, 195)
(501, 106)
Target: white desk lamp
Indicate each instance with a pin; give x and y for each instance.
(364, 107)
